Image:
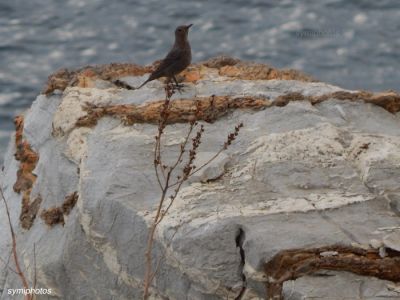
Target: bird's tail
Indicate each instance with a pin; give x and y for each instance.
(143, 84)
(123, 85)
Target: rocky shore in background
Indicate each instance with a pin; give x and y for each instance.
(306, 200)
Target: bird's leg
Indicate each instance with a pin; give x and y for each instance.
(169, 87)
(178, 86)
(176, 81)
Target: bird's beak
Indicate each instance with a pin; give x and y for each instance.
(190, 25)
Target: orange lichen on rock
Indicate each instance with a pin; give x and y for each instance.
(83, 77)
(69, 203)
(224, 65)
(183, 110)
(27, 157)
(236, 69)
(252, 71)
(53, 216)
(29, 211)
(56, 215)
(191, 75)
(25, 177)
(212, 108)
(220, 61)
(387, 100)
(285, 99)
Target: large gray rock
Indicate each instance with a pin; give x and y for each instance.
(297, 176)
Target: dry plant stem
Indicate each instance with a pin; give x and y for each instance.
(183, 147)
(6, 265)
(155, 164)
(164, 187)
(167, 175)
(149, 275)
(161, 127)
(187, 168)
(34, 266)
(231, 137)
(14, 249)
(170, 204)
(150, 241)
(179, 183)
(162, 257)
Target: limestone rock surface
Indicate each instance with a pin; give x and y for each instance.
(302, 175)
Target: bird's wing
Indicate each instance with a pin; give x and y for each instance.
(169, 60)
(171, 57)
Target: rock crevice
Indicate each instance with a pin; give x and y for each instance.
(240, 237)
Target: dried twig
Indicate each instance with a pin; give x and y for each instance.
(165, 174)
(34, 266)
(14, 249)
(6, 264)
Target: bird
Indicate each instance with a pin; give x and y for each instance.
(177, 60)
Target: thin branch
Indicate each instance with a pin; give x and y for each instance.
(167, 172)
(163, 255)
(156, 163)
(34, 266)
(150, 241)
(231, 137)
(14, 248)
(6, 265)
(183, 146)
(172, 201)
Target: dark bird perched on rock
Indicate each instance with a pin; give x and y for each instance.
(177, 60)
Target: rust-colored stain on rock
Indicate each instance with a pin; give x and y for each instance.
(56, 215)
(53, 216)
(25, 177)
(295, 263)
(212, 108)
(29, 211)
(207, 109)
(69, 203)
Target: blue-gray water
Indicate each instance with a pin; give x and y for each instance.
(354, 44)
